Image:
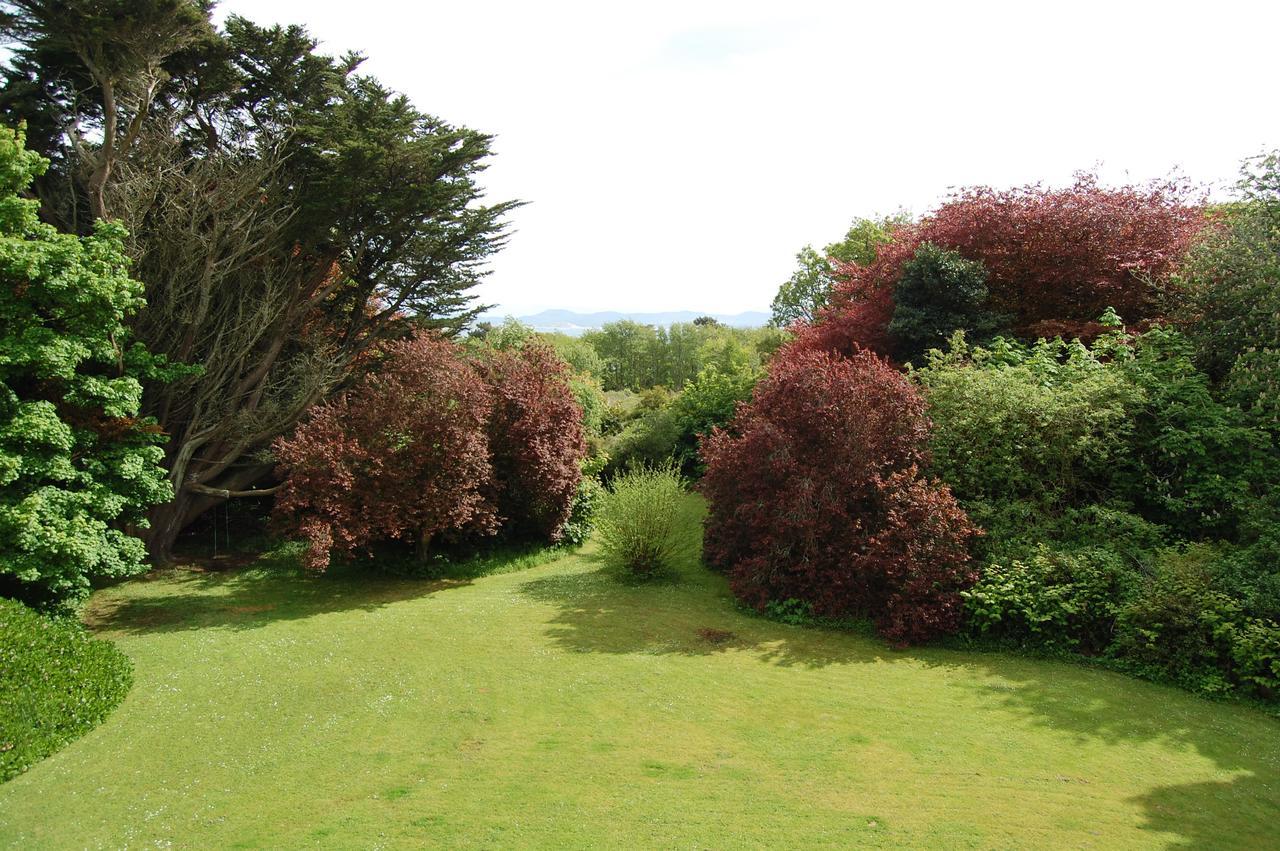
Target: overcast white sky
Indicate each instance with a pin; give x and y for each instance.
(676, 155)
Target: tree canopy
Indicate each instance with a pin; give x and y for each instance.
(76, 461)
(287, 213)
(807, 291)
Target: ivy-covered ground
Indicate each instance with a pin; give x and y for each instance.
(557, 706)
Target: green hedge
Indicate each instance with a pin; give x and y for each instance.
(56, 684)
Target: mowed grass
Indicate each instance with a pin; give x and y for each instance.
(560, 707)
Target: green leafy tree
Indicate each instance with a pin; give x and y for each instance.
(649, 436)
(511, 334)
(939, 293)
(107, 65)
(803, 294)
(636, 357)
(729, 352)
(807, 290)
(627, 349)
(76, 464)
(578, 353)
(682, 356)
(1228, 294)
(706, 403)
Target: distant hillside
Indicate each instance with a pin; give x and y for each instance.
(569, 322)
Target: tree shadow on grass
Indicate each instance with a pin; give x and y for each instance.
(1240, 740)
(250, 590)
(695, 615)
(248, 599)
(680, 612)
(1206, 815)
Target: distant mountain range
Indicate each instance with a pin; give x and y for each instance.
(572, 323)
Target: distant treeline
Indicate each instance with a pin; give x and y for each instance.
(628, 355)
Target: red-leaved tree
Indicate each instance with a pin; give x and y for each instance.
(1056, 259)
(815, 493)
(861, 304)
(402, 455)
(536, 441)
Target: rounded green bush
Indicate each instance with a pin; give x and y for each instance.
(56, 684)
(637, 519)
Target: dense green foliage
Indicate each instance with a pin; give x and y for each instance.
(56, 684)
(655, 427)
(1186, 625)
(76, 463)
(1194, 463)
(706, 403)
(1054, 599)
(586, 502)
(636, 357)
(1227, 296)
(645, 436)
(637, 519)
(1025, 431)
(938, 293)
(1095, 470)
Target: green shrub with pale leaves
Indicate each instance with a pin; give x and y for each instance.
(78, 467)
(637, 522)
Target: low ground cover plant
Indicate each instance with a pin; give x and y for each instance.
(56, 684)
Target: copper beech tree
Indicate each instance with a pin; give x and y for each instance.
(1055, 260)
(536, 440)
(402, 455)
(815, 494)
(433, 444)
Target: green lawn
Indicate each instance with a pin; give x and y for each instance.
(559, 707)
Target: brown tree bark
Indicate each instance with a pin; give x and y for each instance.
(169, 519)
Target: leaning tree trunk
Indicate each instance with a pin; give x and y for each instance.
(169, 519)
(167, 522)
